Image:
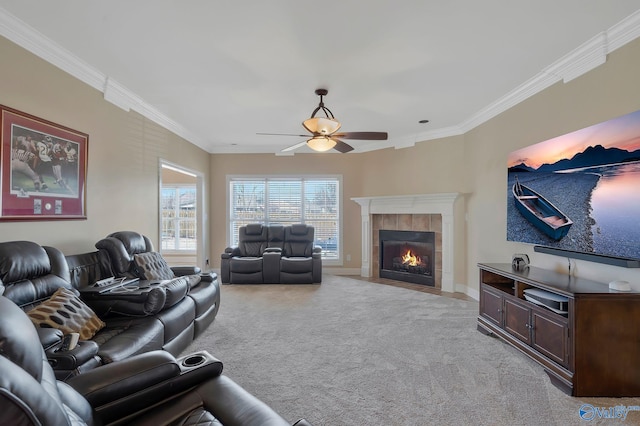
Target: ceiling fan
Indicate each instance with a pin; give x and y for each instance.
(324, 131)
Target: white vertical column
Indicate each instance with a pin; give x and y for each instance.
(447, 253)
(365, 268)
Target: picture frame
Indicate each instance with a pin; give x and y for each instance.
(43, 169)
(576, 195)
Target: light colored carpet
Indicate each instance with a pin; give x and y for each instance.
(350, 352)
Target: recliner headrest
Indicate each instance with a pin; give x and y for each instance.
(253, 229)
(299, 229)
(20, 260)
(134, 242)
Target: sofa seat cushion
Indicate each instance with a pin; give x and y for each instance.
(246, 265)
(125, 337)
(296, 265)
(66, 312)
(205, 296)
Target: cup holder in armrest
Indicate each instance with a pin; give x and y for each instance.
(202, 360)
(193, 360)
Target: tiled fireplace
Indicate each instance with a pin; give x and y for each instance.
(407, 248)
(425, 212)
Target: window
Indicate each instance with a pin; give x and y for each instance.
(178, 213)
(284, 201)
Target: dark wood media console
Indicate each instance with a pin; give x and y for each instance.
(592, 350)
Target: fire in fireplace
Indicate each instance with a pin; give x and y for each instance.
(407, 256)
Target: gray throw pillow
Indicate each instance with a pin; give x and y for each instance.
(152, 266)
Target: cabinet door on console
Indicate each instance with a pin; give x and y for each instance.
(517, 319)
(551, 335)
(491, 304)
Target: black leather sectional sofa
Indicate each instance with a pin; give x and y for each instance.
(123, 370)
(145, 315)
(153, 388)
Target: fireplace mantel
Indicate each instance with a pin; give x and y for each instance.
(411, 204)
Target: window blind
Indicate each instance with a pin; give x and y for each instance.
(285, 201)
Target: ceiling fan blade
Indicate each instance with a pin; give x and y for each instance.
(282, 134)
(296, 146)
(341, 146)
(371, 136)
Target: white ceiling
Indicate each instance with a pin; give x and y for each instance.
(218, 72)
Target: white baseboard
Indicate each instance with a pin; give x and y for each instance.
(473, 293)
(341, 271)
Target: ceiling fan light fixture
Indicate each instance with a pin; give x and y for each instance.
(321, 125)
(323, 131)
(321, 143)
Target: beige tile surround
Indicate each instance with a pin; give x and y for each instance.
(407, 222)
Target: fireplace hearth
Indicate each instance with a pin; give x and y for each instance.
(407, 256)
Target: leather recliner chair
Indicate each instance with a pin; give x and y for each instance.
(246, 263)
(151, 388)
(273, 254)
(300, 262)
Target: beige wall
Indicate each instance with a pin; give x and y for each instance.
(172, 177)
(609, 91)
(124, 152)
(473, 165)
(349, 166)
(430, 167)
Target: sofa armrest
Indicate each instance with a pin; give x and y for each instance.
(208, 277)
(71, 359)
(233, 251)
(271, 266)
(123, 388)
(123, 378)
(139, 298)
(49, 336)
(235, 406)
(225, 259)
(185, 270)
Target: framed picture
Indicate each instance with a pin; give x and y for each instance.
(43, 169)
(578, 192)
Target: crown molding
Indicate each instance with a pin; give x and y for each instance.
(444, 132)
(624, 32)
(583, 59)
(529, 88)
(586, 57)
(37, 43)
(117, 94)
(589, 55)
(26, 37)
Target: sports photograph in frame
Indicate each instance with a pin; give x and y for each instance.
(43, 168)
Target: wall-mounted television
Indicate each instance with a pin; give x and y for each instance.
(578, 195)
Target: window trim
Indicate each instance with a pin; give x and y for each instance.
(339, 260)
